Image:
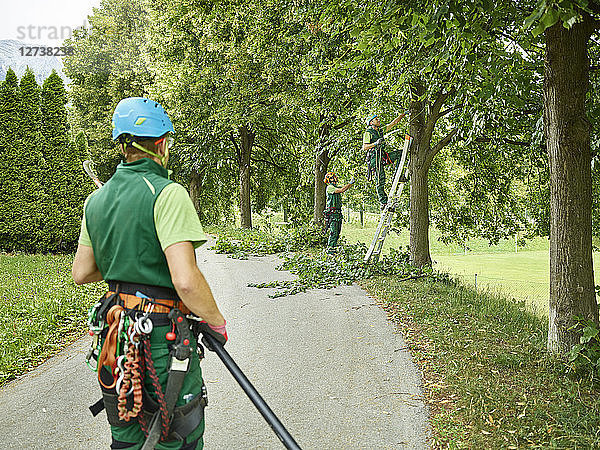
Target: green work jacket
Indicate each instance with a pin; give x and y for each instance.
(120, 223)
(333, 200)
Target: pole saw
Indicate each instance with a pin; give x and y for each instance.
(282, 433)
(88, 166)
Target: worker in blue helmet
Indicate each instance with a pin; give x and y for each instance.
(376, 153)
(138, 233)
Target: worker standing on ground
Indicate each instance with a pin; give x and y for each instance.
(377, 157)
(138, 233)
(333, 209)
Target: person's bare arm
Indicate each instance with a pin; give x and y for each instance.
(394, 122)
(369, 146)
(343, 188)
(190, 284)
(84, 268)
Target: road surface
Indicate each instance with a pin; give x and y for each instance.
(327, 362)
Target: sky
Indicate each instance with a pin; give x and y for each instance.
(43, 22)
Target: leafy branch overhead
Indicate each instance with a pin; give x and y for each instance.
(569, 12)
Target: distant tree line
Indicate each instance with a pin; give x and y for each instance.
(42, 185)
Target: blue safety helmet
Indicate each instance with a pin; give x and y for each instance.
(141, 117)
(369, 118)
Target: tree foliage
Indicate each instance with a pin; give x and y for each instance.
(106, 66)
(41, 186)
(228, 69)
(64, 181)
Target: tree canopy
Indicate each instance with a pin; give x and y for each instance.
(269, 95)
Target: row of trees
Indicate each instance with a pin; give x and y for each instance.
(41, 181)
(471, 64)
(269, 95)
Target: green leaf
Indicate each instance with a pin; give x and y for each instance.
(569, 18)
(574, 353)
(536, 14)
(550, 18)
(588, 334)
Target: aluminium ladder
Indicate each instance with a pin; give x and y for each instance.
(388, 213)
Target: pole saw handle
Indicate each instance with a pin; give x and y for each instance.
(282, 433)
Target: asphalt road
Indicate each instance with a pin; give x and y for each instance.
(327, 362)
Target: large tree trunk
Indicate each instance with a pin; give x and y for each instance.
(195, 190)
(423, 118)
(419, 167)
(419, 215)
(321, 164)
(568, 141)
(246, 142)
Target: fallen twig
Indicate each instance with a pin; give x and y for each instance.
(413, 277)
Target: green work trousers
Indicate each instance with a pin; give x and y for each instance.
(335, 228)
(192, 384)
(377, 163)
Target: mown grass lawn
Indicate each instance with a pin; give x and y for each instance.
(41, 309)
(522, 274)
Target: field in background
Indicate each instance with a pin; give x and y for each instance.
(521, 273)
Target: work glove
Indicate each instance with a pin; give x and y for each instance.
(219, 333)
(380, 141)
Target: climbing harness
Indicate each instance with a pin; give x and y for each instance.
(376, 157)
(328, 216)
(121, 324)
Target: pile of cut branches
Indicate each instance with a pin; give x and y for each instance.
(347, 266)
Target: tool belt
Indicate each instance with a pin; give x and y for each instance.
(125, 318)
(328, 216)
(164, 299)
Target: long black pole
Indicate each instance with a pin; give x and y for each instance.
(283, 434)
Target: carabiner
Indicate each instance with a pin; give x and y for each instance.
(121, 368)
(89, 355)
(143, 325)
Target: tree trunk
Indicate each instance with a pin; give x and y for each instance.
(419, 168)
(419, 209)
(246, 142)
(321, 165)
(195, 189)
(567, 132)
(362, 211)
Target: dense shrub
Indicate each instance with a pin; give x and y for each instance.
(42, 186)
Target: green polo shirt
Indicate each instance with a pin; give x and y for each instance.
(175, 219)
(371, 135)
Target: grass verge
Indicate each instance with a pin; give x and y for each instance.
(487, 378)
(41, 309)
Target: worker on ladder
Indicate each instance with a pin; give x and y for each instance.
(377, 157)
